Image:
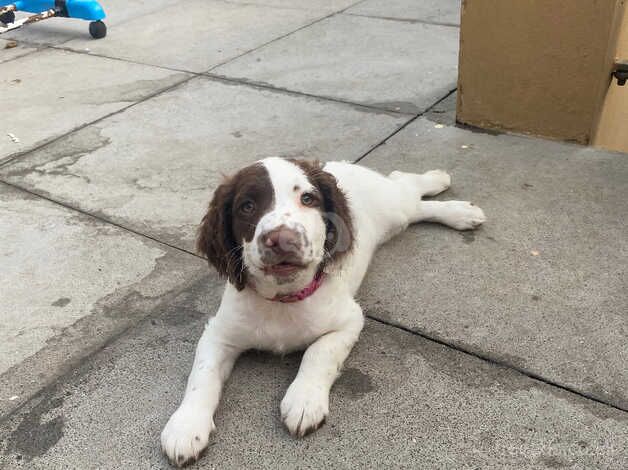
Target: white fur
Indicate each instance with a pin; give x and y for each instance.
(288, 212)
(328, 323)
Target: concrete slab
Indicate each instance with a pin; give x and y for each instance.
(542, 286)
(431, 11)
(201, 35)
(68, 283)
(10, 51)
(328, 6)
(393, 65)
(402, 402)
(158, 179)
(56, 31)
(53, 101)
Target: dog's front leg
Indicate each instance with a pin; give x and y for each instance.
(187, 432)
(306, 403)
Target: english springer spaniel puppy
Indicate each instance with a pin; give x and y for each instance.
(294, 239)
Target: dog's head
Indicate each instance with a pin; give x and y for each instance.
(275, 225)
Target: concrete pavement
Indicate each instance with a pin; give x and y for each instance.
(502, 348)
(542, 286)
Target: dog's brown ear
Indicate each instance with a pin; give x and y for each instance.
(215, 237)
(335, 208)
(338, 218)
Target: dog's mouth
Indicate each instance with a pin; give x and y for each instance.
(284, 268)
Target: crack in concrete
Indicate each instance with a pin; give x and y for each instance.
(403, 126)
(280, 37)
(98, 217)
(406, 20)
(502, 361)
(387, 109)
(38, 49)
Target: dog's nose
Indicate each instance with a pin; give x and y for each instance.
(282, 240)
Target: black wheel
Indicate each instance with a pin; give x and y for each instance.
(8, 17)
(98, 29)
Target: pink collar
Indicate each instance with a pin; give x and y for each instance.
(303, 293)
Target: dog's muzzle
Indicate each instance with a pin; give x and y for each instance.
(282, 249)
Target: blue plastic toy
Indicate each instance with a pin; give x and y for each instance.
(89, 10)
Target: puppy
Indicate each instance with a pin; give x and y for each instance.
(294, 239)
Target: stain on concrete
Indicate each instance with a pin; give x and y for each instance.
(444, 112)
(510, 359)
(39, 430)
(59, 162)
(478, 130)
(468, 236)
(65, 351)
(61, 302)
(290, 361)
(200, 300)
(354, 383)
(160, 341)
(551, 461)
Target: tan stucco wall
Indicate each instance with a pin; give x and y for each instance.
(612, 131)
(537, 66)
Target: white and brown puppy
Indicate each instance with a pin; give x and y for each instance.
(294, 239)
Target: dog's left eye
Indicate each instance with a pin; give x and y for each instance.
(307, 199)
(248, 207)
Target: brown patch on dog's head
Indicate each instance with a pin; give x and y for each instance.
(335, 209)
(236, 208)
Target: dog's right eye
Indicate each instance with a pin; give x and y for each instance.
(247, 207)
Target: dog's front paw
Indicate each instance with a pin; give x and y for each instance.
(186, 434)
(304, 408)
(465, 216)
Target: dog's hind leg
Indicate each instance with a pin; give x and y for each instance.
(427, 184)
(460, 215)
